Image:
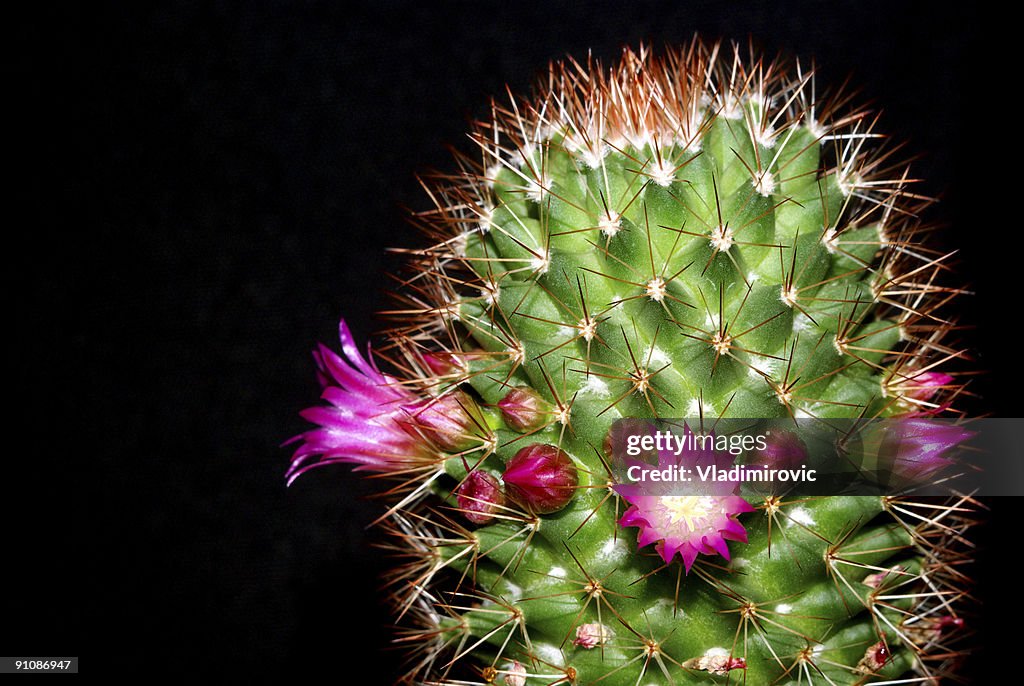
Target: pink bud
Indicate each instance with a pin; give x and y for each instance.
(443, 364)
(875, 657)
(783, 450)
(479, 497)
(879, 654)
(541, 478)
(524, 409)
(591, 635)
(925, 385)
(717, 661)
(948, 623)
(515, 675)
(875, 580)
(615, 441)
(736, 663)
(915, 448)
(932, 628)
(451, 421)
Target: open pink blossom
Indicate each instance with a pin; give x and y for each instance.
(700, 520)
(368, 420)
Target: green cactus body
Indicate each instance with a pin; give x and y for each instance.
(692, 235)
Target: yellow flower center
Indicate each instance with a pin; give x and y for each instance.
(686, 508)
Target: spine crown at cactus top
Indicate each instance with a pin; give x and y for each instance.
(701, 232)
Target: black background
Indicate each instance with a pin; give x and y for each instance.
(199, 191)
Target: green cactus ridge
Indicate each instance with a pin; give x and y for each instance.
(699, 233)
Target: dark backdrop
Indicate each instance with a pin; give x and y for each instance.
(201, 190)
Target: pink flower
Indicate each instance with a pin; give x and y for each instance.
(919, 389)
(700, 522)
(366, 421)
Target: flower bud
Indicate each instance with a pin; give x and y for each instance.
(444, 364)
(925, 385)
(541, 478)
(933, 628)
(591, 635)
(515, 675)
(948, 622)
(451, 421)
(717, 661)
(783, 450)
(524, 409)
(916, 449)
(617, 441)
(875, 657)
(479, 497)
(888, 576)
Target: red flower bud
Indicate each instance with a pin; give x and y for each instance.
(949, 622)
(479, 497)
(524, 409)
(874, 658)
(783, 450)
(541, 478)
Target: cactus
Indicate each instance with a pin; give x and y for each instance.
(700, 233)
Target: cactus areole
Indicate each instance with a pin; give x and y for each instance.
(696, 233)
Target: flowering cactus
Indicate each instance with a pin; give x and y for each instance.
(696, 234)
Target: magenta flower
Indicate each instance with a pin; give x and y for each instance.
(699, 522)
(368, 420)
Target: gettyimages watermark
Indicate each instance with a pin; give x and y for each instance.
(818, 457)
